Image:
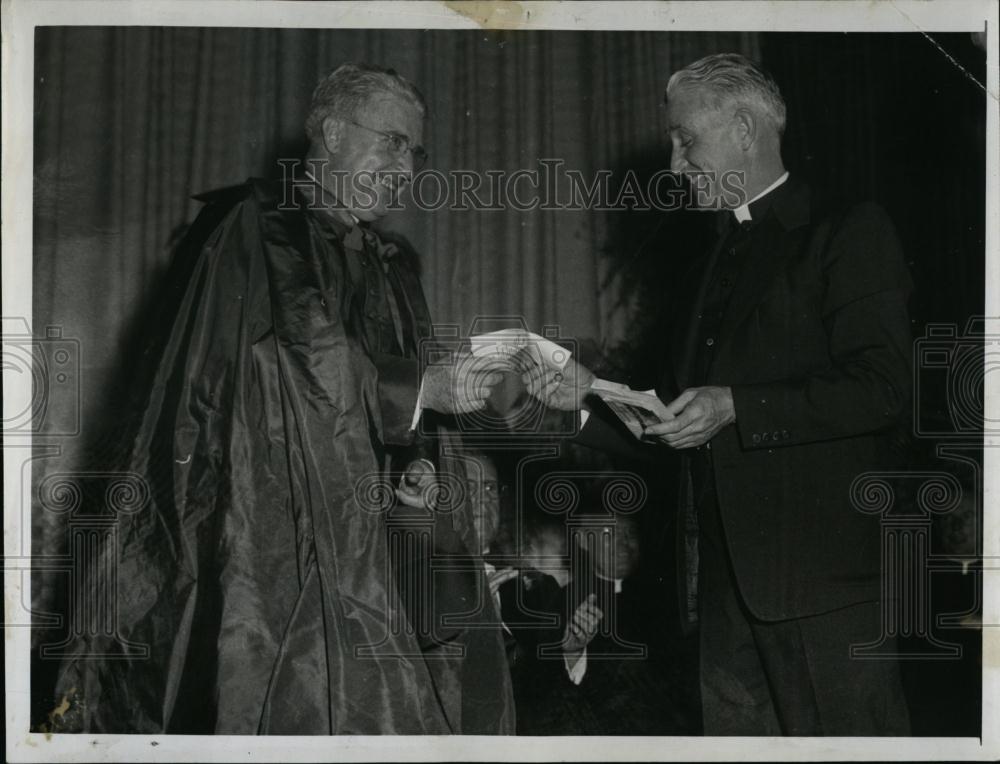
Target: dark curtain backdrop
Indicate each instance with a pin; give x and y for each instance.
(898, 118)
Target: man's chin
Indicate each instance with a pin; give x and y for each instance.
(370, 212)
(703, 193)
(707, 201)
(369, 215)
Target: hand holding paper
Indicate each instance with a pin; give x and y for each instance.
(637, 409)
(562, 389)
(547, 369)
(696, 415)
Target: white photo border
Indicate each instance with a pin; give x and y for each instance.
(20, 17)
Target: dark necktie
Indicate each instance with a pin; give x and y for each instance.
(363, 243)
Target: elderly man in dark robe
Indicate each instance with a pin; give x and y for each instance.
(255, 590)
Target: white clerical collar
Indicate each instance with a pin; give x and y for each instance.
(742, 212)
(616, 581)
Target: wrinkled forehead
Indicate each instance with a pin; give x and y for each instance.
(482, 467)
(690, 106)
(393, 113)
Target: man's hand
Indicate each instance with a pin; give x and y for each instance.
(415, 487)
(460, 387)
(698, 414)
(583, 627)
(498, 578)
(560, 389)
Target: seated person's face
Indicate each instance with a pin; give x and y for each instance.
(613, 547)
(545, 550)
(484, 491)
(545, 555)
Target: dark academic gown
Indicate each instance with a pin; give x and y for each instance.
(256, 580)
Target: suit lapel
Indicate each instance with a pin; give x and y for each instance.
(765, 256)
(782, 212)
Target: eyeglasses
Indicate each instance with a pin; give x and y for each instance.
(490, 487)
(398, 145)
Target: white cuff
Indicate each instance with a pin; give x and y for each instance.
(576, 671)
(418, 409)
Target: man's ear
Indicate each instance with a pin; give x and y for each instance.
(746, 128)
(333, 131)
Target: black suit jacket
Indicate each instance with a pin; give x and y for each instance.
(815, 343)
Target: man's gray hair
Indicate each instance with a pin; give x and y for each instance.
(732, 77)
(349, 88)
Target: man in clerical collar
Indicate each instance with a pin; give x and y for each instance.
(787, 375)
(792, 372)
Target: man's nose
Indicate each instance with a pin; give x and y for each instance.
(677, 162)
(404, 163)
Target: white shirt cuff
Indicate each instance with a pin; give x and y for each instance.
(418, 409)
(577, 671)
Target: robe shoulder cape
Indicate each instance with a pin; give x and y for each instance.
(255, 582)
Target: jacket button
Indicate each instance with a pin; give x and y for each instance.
(776, 435)
(765, 437)
(784, 434)
(710, 341)
(755, 438)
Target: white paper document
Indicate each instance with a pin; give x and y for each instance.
(637, 409)
(510, 342)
